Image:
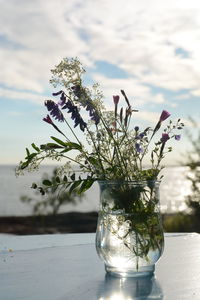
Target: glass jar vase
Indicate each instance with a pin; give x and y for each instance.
(129, 236)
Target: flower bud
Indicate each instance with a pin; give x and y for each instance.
(164, 115)
(116, 99)
(165, 137)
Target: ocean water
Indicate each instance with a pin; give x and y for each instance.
(173, 190)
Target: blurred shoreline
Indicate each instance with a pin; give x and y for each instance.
(72, 222)
(75, 222)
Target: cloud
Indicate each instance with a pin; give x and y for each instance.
(138, 93)
(12, 94)
(151, 117)
(140, 39)
(15, 113)
(196, 93)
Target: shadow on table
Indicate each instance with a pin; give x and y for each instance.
(144, 288)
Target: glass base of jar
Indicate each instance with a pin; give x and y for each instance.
(120, 272)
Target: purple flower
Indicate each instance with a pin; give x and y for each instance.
(79, 121)
(48, 119)
(95, 117)
(89, 106)
(138, 148)
(177, 137)
(116, 99)
(141, 135)
(62, 99)
(164, 115)
(93, 112)
(85, 102)
(165, 137)
(54, 110)
(75, 115)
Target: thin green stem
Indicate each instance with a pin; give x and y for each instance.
(118, 153)
(97, 151)
(72, 131)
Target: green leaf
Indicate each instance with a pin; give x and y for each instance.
(74, 146)
(58, 141)
(50, 146)
(74, 186)
(57, 179)
(65, 150)
(68, 145)
(24, 165)
(35, 147)
(34, 185)
(41, 190)
(150, 174)
(93, 161)
(73, 177)
(27, 152)
(31, 156)
(87, 183)
(47, 182)
(65, 179)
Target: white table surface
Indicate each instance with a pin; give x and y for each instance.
(66, 266)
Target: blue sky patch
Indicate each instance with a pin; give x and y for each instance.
(182, 52)
(110, 70)
(83, 35)
(6, 43)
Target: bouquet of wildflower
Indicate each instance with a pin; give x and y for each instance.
(109, 147)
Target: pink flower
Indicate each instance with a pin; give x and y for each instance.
(165, 137)
(48, 119)
(164, 115)
(116, 99)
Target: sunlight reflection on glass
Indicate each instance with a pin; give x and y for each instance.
(114, 288)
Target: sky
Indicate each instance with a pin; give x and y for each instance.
(151, 49)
